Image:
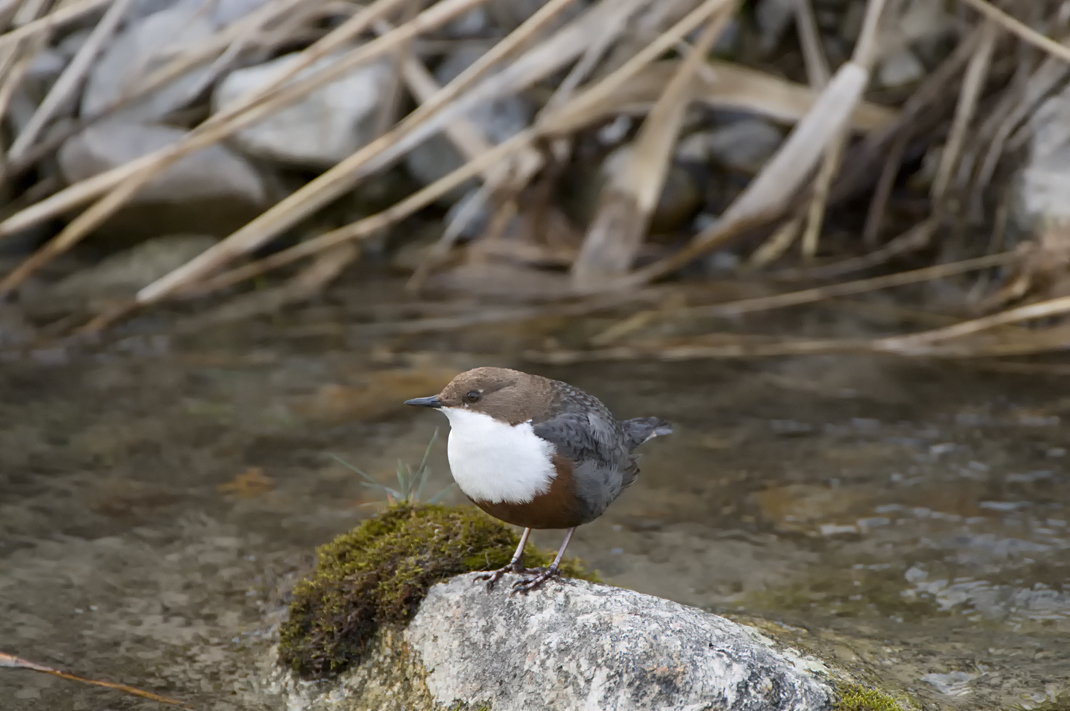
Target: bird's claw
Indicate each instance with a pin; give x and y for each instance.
(514, 567)
(529, 584)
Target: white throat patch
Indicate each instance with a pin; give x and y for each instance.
(495, 461)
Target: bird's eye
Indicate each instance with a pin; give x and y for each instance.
(473, 396)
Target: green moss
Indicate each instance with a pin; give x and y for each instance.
(378, 573)
(855, 697)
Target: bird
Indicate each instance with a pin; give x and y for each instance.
(537, 453)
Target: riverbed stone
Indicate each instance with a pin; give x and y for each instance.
(140, 49)
(1042, 186)
(321, 128)
(568, 645)
(156, 32)
(119, 276)
(210, 191)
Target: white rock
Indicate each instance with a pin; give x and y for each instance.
(210, 191)
(567, 646)
(1043, 183)
(321, 129)
(149, 42)
(899, 69)
(498, 120)
(141, 48)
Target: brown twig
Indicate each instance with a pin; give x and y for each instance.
(12, 662)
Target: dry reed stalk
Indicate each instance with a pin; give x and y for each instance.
(555, 122)
(1050, 74)
(470, 143)
(134, 174)
(737, 347)
(1031, 312)
(509, 177)
(916, 238)
(849, 288)
(972, 84)
(878, 203)
(281, 90)
(778, 243)
(769, 193)
(205, 134)
(630, 196)
(863, 55)
(724, 85)
(592, 55)
(17, 62)
(817, 66)
(920, 112)
(742, 347)
(71, 78)
(225, 45)
(305, 285)
(818, 73)
(50, 22)
(1022, 30)
(425, 121)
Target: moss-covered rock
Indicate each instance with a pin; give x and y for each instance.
(378, 573)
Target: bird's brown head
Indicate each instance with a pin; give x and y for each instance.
(507, 395)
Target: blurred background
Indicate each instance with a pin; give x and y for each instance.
(827, 238)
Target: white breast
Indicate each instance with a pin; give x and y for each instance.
(495, 461)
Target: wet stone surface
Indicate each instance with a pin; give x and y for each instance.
(907, 522)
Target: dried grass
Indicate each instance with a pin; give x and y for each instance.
(640, 64)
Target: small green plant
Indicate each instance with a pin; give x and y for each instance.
(410, 483)
(855, 697)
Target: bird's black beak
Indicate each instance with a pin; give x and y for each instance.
(432, 401)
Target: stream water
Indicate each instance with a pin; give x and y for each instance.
(908, 521)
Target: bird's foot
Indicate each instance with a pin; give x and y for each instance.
(529, 584)
(514, 567)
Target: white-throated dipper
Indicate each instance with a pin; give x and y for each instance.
(537, 453)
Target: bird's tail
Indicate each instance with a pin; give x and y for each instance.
(641, 429)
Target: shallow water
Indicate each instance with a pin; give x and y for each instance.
(158, 495)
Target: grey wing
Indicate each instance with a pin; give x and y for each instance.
(592, 441)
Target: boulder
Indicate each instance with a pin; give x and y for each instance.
(320, 129)
(1042, 187)
(157, 33)
(569, 645)
(744, 144)
(120, 276)
(211, 191)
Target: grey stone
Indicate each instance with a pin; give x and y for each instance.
(773, 18)
(123, 274)
(320, 129)
(473, 23)
(899, 69)
(149, 42)
(210, 191)
(570, 645)
(744, 145)
(1042, 186)
(498, 120)
(137, 51)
